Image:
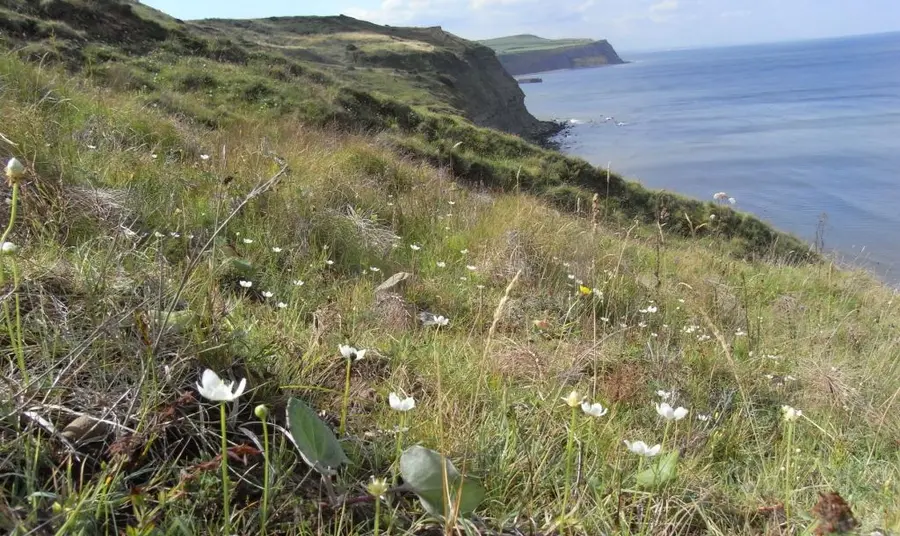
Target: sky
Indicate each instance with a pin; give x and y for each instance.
(628, 24)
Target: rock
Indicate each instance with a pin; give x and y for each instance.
(84, 428)
(395, 283)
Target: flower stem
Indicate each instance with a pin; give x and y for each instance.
(225, 483)
(346, 401)
(569, 448)
(263, 516)
(787, 470)
(398, 450)
(377, 515)
(14, 338)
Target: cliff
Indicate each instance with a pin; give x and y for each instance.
(424, 67)
(526, 54)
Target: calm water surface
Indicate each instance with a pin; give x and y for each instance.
(792, 131)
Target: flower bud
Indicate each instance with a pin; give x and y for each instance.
(14, 170)
(8, 248)
(377, 487)
(262, 412)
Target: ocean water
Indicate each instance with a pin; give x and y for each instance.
(792, 131)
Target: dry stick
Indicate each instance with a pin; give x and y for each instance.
(259, 189)
(737, 377)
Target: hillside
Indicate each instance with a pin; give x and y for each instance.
(527, 54)
(214, 195)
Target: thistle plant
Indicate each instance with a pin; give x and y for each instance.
(351, 355)
(211, 387)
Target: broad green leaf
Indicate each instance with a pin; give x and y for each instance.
(421, 469)
(662, 472)
(315, 440)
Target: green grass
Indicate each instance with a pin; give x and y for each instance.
(530, 43)
(121, 217)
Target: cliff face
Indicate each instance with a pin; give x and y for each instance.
(427, 66)
(534, 59)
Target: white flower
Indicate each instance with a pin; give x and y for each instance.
(732, 200)
(213, 388)
(720, 196)
(329, 262)
(451, 203)
(702, 417)
(429, 319)
(464, 251)
(668, 413)
(649, 309)
(401, 404)
(441, 264)
(351, 353)
(471, 268)
(712, 216)
(276, 249)
(663, 394)
(374, 269)
(604, 319)
(247, 240)
(594, 410)
(281, 305)
(573, 400)
(415, 247)
(598, 293)
(158, 234)
(479, 287)
(245, 284)
(571, 276)
(8, 248)
(14, 170)
(267, 294)
(641, 449)
(92, 147)
(740, 333)
(153, 156)
(642, 324)
(298, 283)
(790, 414)
(204, 157)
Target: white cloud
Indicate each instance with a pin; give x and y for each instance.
(664, 6)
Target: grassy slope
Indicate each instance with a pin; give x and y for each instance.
(529, 43)
(732, 338)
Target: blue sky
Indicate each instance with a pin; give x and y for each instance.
(628, 24)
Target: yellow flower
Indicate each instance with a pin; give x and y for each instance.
(585, 291)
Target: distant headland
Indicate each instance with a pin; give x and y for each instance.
(527, 54)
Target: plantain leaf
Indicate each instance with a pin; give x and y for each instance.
(314, 439)
(662, 472)
(421, 469)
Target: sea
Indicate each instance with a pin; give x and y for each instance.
(806, 135)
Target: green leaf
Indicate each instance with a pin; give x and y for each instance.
(421, 470)
(662, 472)
(314, 439)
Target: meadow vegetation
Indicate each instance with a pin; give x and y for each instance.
(593, 357)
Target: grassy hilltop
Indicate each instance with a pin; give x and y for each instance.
(230, 194)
